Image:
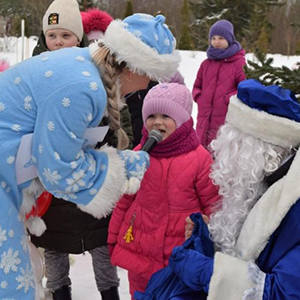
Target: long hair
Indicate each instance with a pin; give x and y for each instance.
(110, 70)
(241, 163)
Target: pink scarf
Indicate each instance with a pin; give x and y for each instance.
(183, 140)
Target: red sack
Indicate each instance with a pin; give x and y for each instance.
(42, 204)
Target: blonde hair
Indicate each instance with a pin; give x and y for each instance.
(110, 70)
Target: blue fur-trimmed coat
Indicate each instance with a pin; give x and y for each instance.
(268, 266)
(56, 95)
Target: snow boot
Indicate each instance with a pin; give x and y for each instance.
(63, 293)
(111, 294)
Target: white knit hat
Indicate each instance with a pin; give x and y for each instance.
(64, 14)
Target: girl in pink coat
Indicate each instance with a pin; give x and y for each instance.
(145, 227)
(217, 80)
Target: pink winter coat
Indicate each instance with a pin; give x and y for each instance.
(216, 82)
(171, 190)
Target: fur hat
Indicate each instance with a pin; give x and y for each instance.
(95, 22)
(64, 14)
(171, 99)
(145, 44)
(269, 113)
(223, 28)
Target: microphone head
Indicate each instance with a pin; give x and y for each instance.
(155, 134)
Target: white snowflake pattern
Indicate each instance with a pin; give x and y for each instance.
(66, 102)
(44, 58)
(2, 106)
(156, 37)
(40, 149)
(103, 167)
(18, 80)
(51, 177)
(80, 58)
(76, 181)
(92, 164)
(50, 126)
(11, 233)
(27, 104)
(10, 160)
(56, 155)
(26, 280)
(80, 154)
(9, 261)
(89, 117)
(3, 184)
(72, 135)
(94, 86)
(74, 164)
(49, 74)
(86, 73)
(166, 42)
(137, 33)
(3, 237)
(139, 171)
(16, 127)
(24, 243)
(4, 284)
(93, 192)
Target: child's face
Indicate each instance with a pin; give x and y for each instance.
(163, 123)
(219, 42)
(60, 38)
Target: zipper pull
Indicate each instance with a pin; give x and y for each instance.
(128, 237)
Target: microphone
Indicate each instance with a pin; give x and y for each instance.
(154, 137)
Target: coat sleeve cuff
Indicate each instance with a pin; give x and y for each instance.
(233, 279)
(112, 189)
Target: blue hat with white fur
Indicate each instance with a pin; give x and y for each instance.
(145, 44)
(269, 113)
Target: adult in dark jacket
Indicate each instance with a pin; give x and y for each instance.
(69, 229)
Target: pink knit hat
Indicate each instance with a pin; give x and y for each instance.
(171, 99)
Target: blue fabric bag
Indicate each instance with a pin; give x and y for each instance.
(165, 284)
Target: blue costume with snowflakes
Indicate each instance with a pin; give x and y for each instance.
(57, 96)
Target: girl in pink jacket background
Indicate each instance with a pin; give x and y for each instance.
(145, 227)
(217, 79)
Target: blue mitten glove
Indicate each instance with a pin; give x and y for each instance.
(192, 267)
(136, 164)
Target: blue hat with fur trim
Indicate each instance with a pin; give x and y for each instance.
(270, 113)
(145, 44)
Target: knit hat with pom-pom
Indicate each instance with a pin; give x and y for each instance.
(95, 22)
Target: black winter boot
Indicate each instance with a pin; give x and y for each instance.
(63, 293)
(111, 294)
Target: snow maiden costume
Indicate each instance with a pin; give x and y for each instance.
(258, 248)
(56, 96)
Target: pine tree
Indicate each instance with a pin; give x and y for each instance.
(245, 15)
(129, 9)
(185, 42)
(264, 72)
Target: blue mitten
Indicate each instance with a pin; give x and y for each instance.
(136, 164)
(192, 267)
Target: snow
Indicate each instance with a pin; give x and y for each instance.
(81, 273)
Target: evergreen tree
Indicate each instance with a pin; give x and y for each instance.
(267, 74)
(185, 42)
(129, 9)
(245, 15)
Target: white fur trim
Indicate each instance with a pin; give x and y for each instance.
(139, 57)
(230, 278)
(30, 195)
(112, 188)
(268, 212)
(269, 128)
(35, 225)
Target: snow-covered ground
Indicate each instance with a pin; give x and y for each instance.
(82, 276)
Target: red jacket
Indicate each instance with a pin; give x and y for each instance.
(171, 190)
(216, 82)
